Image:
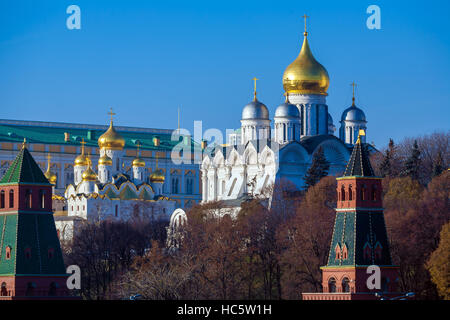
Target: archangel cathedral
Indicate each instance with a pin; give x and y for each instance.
(257, 155)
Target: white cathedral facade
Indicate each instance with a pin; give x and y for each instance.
(258, 155)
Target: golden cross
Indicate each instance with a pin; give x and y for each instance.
(305, 17)
(49, 157)
(82, 145)
(254, 90)
(353, 84)
(24, 143)
(111, 113)
(138, 144)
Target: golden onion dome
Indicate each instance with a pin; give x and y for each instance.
(305, 75)
(81, 160)
(89, 174)
(157, 176)
(105, 160)
(111, 139)
(51, 177)
(138, 162)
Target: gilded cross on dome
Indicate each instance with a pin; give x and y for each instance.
(254, 90)
(353, 84)
(111, 113)
(305, 17)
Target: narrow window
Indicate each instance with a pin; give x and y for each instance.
(11, 198)
(342, 193)
(2, 199)
(8, 252)
(116, 213)
(28, 198)
(350, 193)
(374, 193)
(50, 253)
(363, 192)
(337, 251)
(42, 198)
(4, 290)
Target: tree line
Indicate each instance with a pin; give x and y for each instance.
(276, 252)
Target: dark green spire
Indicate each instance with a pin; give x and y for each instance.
(359, 163)
(24, 170)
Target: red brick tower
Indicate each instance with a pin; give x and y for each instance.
(31, 262)
(359, 237)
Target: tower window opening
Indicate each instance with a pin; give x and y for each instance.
(28, 198)
(374, 193)
(2, 199)
(363, 193)
(332, 285)
(342, 193)
(350, 193)
(11, 198)
(42, 198)
(345, 285)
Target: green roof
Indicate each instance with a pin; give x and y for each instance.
(53, 133)
(24, 170)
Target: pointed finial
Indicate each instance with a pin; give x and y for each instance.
(361, 132)
(287, 97)
(111, 114)
(24, 143)
(305, 17)
(49, 157)
(353, 84)
(254, 90)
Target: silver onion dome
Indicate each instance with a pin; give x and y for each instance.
(287, 110)
(353, 113)
(255, 110)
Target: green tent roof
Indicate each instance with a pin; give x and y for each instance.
(24, 170)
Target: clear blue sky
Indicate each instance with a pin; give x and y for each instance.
(147, 58)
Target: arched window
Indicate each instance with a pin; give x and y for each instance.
(342, 193)
(332, 285)
(374, 193)
(42, 198)
(378, 251)
(367, 251)
(30, 289)
(363, 192)
(27, 253)
(337, 251)
(8, 252)
(11, 198)
(2, 199)
(350, 193)
(345, 285)
(50, 253)
(52, 289)
(28, 198)
(116, 210)
(4, 290)
(344, 252)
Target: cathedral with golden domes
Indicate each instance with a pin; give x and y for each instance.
(111, 193)
(257, 154)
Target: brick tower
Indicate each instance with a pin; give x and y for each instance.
(31, 262)
(359, 236)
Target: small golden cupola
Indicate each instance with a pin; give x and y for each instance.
(89, 174)
(305, 75)
(111, 139)
(51, 177)
(82, 159)
(138, 162)
(157, 176)
(105, 160)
